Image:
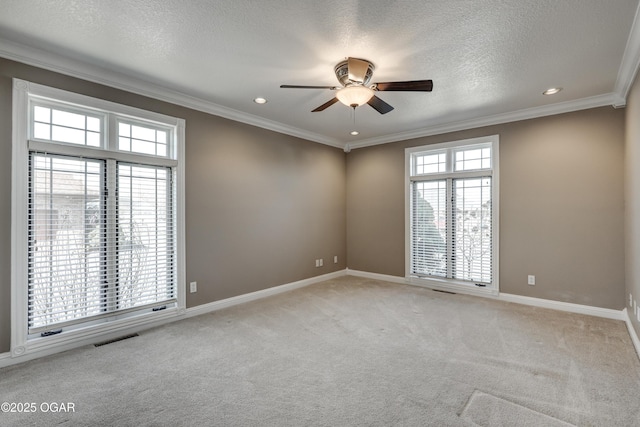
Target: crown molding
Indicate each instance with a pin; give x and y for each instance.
(612, 99)
(630, 59)
(74, 68)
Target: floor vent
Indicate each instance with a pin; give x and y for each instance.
(100, 344)
(444, 292)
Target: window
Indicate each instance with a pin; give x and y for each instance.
(452, 196)
(97, 208)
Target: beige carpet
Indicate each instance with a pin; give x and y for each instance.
(345, 352)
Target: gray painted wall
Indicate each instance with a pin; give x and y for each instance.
(260, 206)
(632, 195)
(5, 212)
(561, 206)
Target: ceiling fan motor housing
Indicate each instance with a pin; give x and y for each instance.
(342, 73)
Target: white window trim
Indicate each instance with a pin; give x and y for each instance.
(452, 285)
(120, 322)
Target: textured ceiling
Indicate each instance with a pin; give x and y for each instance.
(489, 60)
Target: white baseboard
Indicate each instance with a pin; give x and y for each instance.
(536, 302)
(241, 299)
(606, 313)
(430, 284)
(377, 276)
(632, 331)
(6, 359)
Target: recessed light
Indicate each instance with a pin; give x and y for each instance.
(260, 101)
(354, 132)
(552, 91)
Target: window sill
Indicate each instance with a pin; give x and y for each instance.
(453, 286)
(42, 346)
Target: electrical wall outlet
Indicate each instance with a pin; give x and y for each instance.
(321, 262)
(335, 259)
(531, 280)
(193, 287)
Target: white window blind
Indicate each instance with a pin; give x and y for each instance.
(472, 234)
(451, 212)
(102, 223)
(67, 257)
(144, 272)
(429, 228)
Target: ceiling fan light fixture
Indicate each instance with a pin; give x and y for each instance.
(355, 95)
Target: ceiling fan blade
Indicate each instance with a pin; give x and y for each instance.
(357, 69)
(308, 87)
(379, 105)
(325, 105)
(409, 86)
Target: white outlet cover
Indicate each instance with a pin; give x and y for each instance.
(531, 279)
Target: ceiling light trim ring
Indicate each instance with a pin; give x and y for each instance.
(552, 91)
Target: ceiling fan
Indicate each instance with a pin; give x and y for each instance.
(354, 75)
